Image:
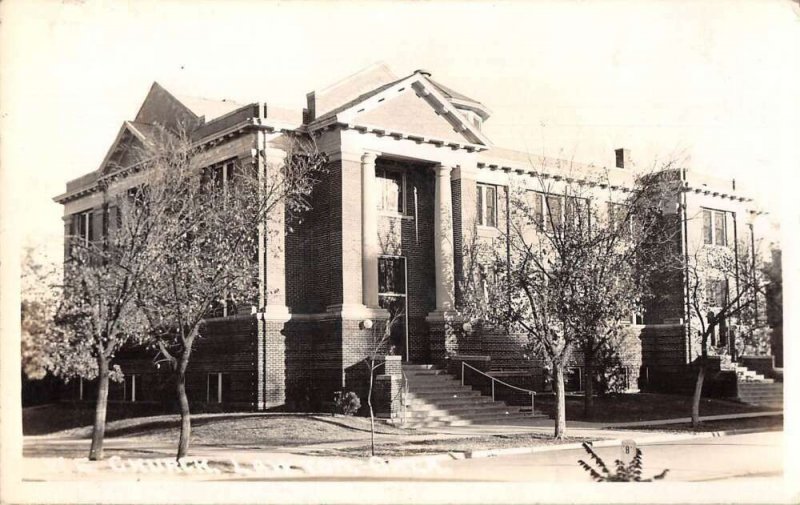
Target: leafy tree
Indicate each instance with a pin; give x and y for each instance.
(40, 293)
(570, 270)
(97, 316)
(724, 287)
(773, 272)
(212, 217)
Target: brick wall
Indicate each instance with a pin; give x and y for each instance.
(387, 396)
(226, 345)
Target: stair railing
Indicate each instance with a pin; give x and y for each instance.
(404, 395)
(493, 379)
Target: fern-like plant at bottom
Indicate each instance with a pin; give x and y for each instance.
(632, 472)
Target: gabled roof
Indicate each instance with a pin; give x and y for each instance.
(364, 82)
(357, 100)
(208, 108)
(460, 100)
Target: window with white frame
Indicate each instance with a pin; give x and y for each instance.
(619, 217)
(487, 205)
(217, 387)
(220, 176)
(577, 212)
(391, 185)
(83, 226)
(131, 383)
(547, 210)
(715, 227)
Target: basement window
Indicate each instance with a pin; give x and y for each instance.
(217, 387)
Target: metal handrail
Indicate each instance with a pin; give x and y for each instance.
(404, 395)
(530, 392)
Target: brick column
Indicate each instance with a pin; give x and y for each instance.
(370, 249)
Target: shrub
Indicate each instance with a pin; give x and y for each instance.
(346, 403)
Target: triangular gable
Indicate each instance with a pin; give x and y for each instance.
(161, 107)
(123, 150)
(415, 106)
(409, 113)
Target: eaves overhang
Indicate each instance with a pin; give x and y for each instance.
(231, 132)
(333, 124)
(558, 173)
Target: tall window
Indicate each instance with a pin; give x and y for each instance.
(390, 184)
(132, 383)
(217, 387)
(577, 211)
(554, 209)
(715, 227)
(548, 210)
(487, 205)
(220, 176)
(392, 293)
(83, 226)
(717, 292)
(618, 218)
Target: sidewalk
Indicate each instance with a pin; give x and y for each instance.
(129, 458)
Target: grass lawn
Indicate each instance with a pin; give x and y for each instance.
(642, 407)
(259, 429)
(457, 445)
(53, 417)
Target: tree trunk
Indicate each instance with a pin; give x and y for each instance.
(371, 413)
(561, 403)
(100, 409)
(588, 388)
(698, 391)
(183, 403)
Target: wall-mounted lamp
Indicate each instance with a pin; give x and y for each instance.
(366, 324)
(467, 327)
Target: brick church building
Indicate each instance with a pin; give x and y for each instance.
(411, 174)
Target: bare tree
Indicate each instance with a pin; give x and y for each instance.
(566, 274)
(380, 346)
(212, 216)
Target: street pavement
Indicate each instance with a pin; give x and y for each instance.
(696, 459)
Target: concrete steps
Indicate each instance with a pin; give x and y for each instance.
(437, 399)
(753, 387)
(762, 394)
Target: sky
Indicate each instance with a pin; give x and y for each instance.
(710, 82)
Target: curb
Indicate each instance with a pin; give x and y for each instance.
(510, 451)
